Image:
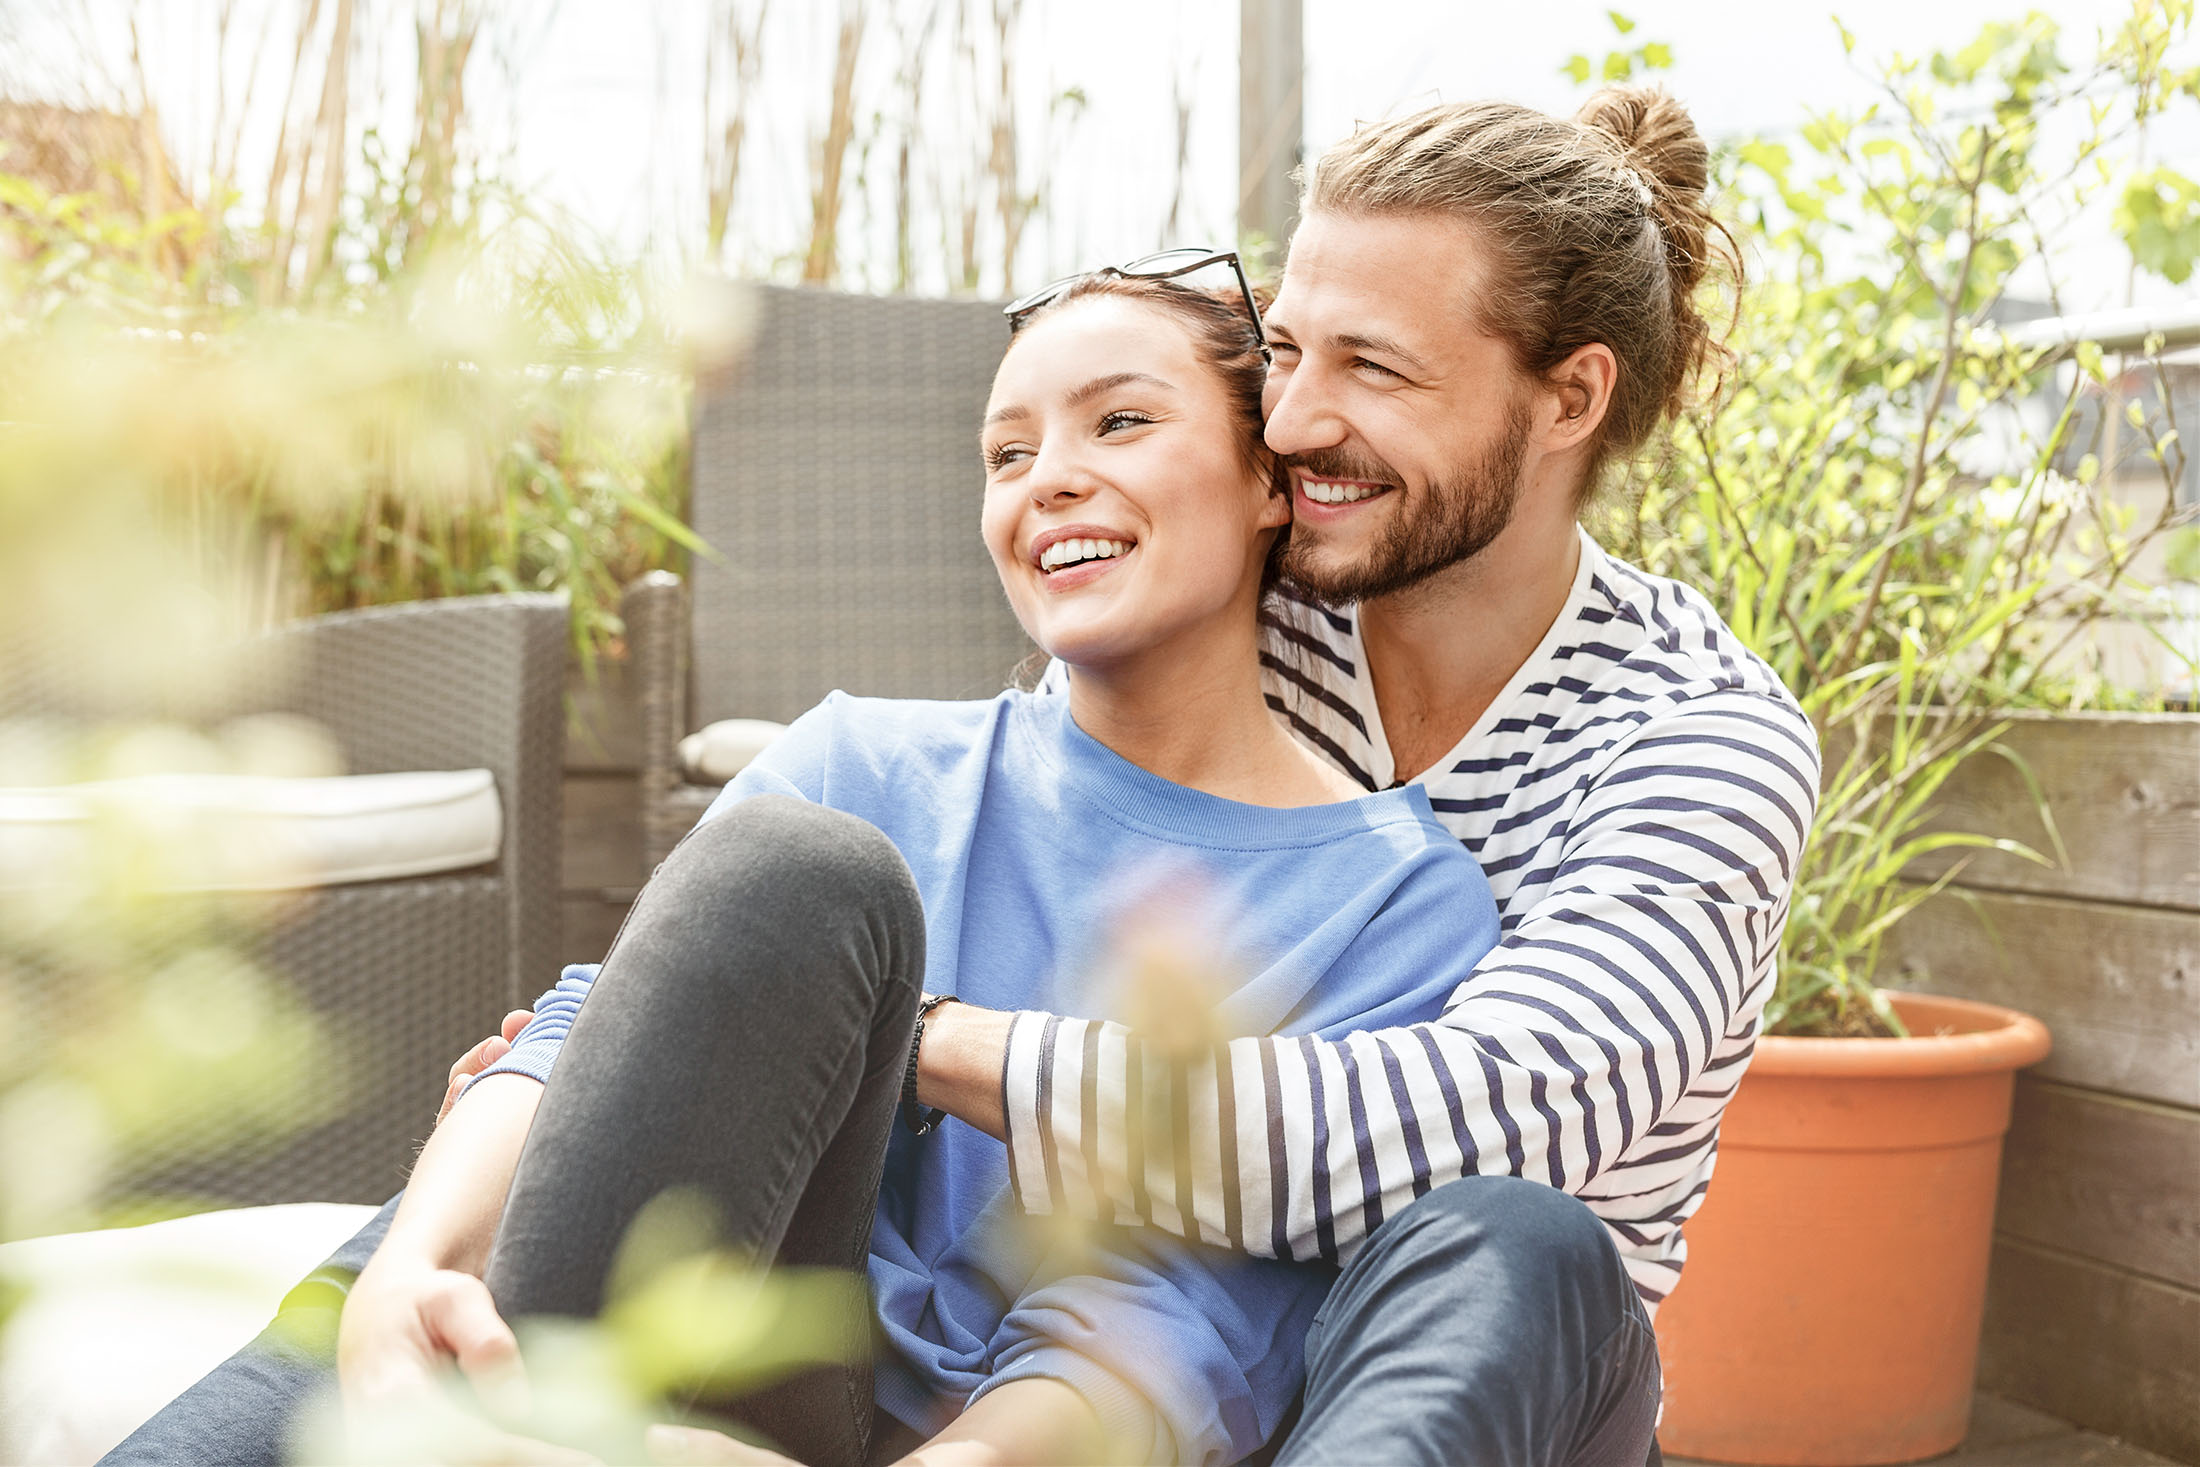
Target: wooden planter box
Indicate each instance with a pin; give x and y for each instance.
(2093, 1308)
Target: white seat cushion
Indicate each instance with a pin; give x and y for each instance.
(238, 832)
(117, 1323)
(724, 748)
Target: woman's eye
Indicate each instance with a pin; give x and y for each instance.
(1114, 421)
(1001, 455)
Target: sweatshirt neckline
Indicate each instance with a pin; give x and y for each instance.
(1129, 793)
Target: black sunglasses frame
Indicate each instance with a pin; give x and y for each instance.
(1151, 267)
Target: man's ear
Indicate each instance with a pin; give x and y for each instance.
(1581, 390)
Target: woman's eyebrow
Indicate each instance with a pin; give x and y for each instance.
(1082, 395)
(1110, 382)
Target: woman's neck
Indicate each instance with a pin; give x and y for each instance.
(1193, 713)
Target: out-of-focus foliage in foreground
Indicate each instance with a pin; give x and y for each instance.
(210, 424)
(1905, 514)
(686, 1322)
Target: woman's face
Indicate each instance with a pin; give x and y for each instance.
(1119, 507)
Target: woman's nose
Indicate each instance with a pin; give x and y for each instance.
(1056, 476)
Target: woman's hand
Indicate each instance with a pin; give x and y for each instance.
(481, 1056)
(406, 1321)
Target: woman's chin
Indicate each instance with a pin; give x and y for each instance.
(1087, 649)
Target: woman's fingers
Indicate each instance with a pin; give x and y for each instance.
(693, 1444)
(463, 1320)
(480, 1057)
(450, 1098)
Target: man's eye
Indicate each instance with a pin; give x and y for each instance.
(1113, 421)
(1362, 363)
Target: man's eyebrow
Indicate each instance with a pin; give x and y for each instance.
(1381, 346)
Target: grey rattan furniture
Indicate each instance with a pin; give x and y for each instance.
(405, 974)
(836, 471)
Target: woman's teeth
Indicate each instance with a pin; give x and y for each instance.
(1069, 552)
(1324, 491)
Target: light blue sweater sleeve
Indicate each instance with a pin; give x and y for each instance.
(794, 765)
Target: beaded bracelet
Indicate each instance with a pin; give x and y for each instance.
(917, 1118)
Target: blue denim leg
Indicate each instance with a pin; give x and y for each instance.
(241, 1412)
(1489, 1323)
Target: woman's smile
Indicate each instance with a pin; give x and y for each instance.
(1070, 556)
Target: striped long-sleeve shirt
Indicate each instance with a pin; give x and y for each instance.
(1639, 795)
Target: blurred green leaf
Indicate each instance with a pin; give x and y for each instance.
(2158, 218)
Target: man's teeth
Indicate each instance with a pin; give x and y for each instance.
(1069, 552)
(1324, 491)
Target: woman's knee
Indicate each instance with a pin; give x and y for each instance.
(782, 870)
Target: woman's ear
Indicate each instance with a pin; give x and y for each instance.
(1275, 510)
(1581, 388)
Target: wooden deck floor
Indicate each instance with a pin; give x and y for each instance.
(2005, 1434)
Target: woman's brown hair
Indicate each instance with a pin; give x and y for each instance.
(1597, 228)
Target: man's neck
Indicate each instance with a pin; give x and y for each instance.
(1440, 652)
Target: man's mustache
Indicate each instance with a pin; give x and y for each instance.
(1337, 463)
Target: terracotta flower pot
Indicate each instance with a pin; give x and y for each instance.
(1829, 1311)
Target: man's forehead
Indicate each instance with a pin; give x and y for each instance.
(1406, 279)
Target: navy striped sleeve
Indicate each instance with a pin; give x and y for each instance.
(1592, 1049)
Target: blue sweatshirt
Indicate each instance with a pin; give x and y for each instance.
(1037, 850)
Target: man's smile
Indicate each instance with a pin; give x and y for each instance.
(1336, 492)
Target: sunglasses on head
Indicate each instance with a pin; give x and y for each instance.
(1165, 265)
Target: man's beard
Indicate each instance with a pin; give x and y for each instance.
(1447, 523)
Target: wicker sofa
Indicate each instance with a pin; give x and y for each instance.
(404, 973)
(836, 477)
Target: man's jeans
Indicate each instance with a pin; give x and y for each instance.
(1489, 1323)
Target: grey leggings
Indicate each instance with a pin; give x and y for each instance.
(745, 1038)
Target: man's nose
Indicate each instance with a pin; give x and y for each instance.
(1301, 416)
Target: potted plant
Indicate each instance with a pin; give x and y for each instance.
(1903, 508)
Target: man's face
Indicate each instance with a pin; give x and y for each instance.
(1406, 428)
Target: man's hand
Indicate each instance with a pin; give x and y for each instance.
(481, 1056)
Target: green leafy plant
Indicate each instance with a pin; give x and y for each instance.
(1903, 512)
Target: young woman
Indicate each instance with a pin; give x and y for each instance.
(750, 1031)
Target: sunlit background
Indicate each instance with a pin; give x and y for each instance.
(1122, 119)
(339, 306)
